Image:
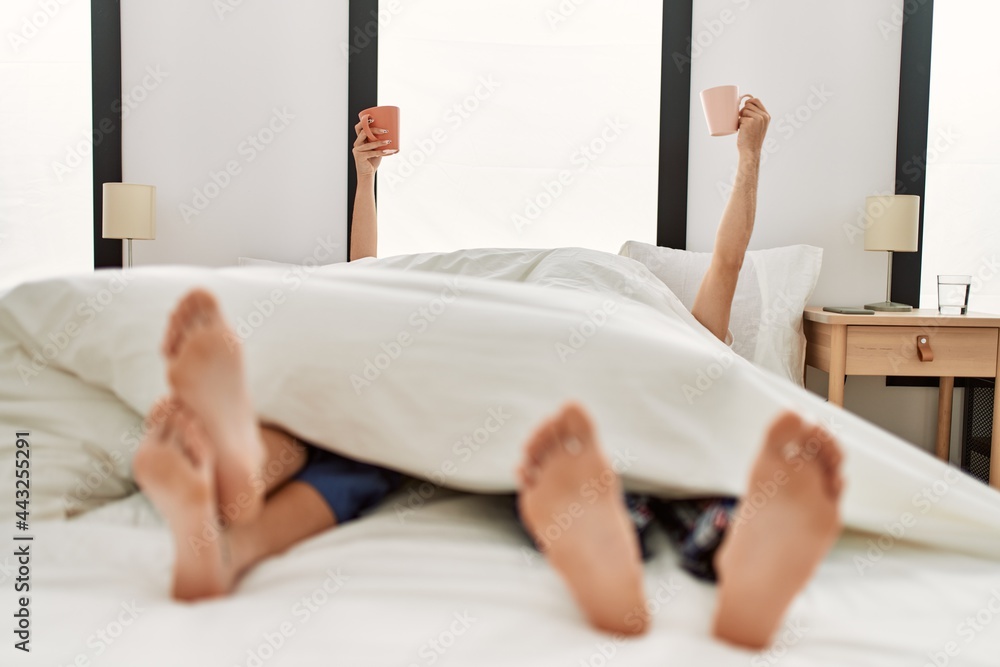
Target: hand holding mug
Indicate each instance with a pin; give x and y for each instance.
(753, 123)
(722, 109)
(377, 136)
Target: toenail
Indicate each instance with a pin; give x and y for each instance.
(573, 445)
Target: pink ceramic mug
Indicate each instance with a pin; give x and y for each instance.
(383, 118)
(722, 109)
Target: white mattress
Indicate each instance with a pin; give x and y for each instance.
(462, 561)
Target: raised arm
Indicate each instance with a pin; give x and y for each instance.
(714, 301)
(364, 221)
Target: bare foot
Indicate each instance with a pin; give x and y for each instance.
(571, 502)
(774, 546)
(175, 469)
(205, 371)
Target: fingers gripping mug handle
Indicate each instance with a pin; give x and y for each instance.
(366, 121)
(739, 104)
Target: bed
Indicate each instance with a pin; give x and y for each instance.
(441, 574)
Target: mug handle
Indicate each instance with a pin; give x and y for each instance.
(366, 121)
(739, 105)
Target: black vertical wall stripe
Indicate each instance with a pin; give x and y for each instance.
(106, 82)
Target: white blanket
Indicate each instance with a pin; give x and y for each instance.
(443, 375)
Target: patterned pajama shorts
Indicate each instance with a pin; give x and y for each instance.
(695, 527)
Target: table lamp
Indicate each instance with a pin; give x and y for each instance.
(893, 226)
(129, 213)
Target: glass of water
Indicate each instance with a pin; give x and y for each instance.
(953, 294)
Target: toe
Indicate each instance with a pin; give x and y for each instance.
(525, 476)
(833, 459)
(786, 428)
(159, 412)
(171, 337)
(815, 438)
(822, 445)
(185, 311)
(540, 444)
(575, 428)
(832, 453)
(176, 326)
(166, 428)
(168, 344)
(836, 486)
(204, 307)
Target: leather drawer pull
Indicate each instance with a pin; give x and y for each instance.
(924, 350)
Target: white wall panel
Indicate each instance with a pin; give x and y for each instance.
(829, 76)
(524, 124)
(961, 209)
(237, 112)
(46, 167)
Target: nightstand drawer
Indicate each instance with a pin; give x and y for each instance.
(958, 352)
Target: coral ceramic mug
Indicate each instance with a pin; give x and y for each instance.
(382, 118)
(722, 109)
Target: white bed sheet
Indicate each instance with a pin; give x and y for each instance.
(405, 584)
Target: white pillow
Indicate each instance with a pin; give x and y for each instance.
(773, 289)
(81, 438)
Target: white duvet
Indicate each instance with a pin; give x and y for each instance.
(442, 373)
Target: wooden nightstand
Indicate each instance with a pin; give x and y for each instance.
(920, 343)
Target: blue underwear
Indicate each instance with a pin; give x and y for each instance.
(349, 487)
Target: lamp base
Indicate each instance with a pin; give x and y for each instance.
(889, 306)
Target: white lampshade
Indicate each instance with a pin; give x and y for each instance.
(893, 223)
(129, 211)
